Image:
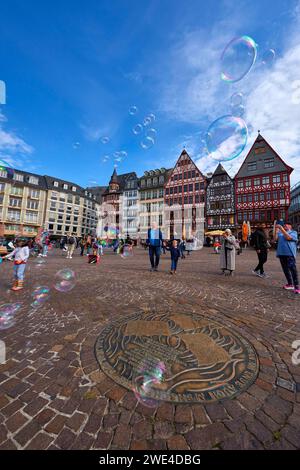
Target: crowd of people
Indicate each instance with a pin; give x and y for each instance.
(227, 246)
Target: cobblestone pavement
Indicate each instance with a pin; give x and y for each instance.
(54, 396)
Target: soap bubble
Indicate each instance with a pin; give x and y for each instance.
(65, 280)
(138, 128)
(147, 121)
(147, 143)
(152, 133)
(105, 158)
(268, 57)
(152, 117)
(7, 315)
(4, 166)
(40, 295)
(126, 252)
(133, 110)
(105, 140)
(76, 145)
(236, 99)
(238, 110)
(238, 58)
(226, 137)
(120, 156)
(148, 385)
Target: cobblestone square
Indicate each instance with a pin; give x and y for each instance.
(54, 395)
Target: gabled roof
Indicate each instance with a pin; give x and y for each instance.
(220, 170)
(251, 156)
(184, 154)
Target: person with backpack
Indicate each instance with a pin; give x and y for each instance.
(71, 244)
(154, 242)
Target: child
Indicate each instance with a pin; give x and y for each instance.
(175, 255)
(217, 246)
(21, 254)
(95, 257)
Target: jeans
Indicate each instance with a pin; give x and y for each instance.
(154, 251)
(288, 264)
(262, 258)
(174, 262)
(45, 250)
(82, 250)
(19, 270)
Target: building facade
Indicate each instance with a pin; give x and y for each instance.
(70, 208)
(29, 201)
(294, 210)
(111, 212)
(23, 198)
(220, 204)
(151, 202)
(130, 208)
(185, 200)
(262, 186)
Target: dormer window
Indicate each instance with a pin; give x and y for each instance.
(55, 183)
(65, 186)
(33, 180)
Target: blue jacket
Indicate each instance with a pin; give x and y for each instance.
(175, 252)
(154, 237)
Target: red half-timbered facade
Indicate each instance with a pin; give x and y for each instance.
(184, 198)
(262, 186)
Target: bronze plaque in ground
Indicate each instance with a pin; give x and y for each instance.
(203, 361)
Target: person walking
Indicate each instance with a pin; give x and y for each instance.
(154, 242)
(21, 255)
(227, 258)
(260, 244)
(182, 249)
(82, 244)
(71, 244)
(45, 243)
(287, 239)
(175, 255)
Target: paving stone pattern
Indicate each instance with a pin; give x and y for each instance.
(54, 396)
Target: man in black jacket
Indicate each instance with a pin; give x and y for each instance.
(260, 244)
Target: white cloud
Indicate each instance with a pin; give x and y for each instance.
(195, 94)
(13, 149)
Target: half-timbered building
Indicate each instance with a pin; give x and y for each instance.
(185, 199)
(220, 206)
(262, 186)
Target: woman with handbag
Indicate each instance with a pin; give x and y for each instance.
(227, 258)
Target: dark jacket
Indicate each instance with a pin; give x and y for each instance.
(259, 240)
(175, 252)
(154, 241)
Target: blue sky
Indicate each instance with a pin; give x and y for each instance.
(73, 69)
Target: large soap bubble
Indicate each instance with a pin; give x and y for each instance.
(226, 137)
(238, 58)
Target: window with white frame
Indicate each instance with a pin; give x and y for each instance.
(74, 188)
(15, 202)
(34, 193)
(13, 215)
(3, 173)
(18, 177)
(31, 216)
(16, 191)
(65, 186)
(55, 183)
(33, 180)
(31, 204)
(276, 178)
